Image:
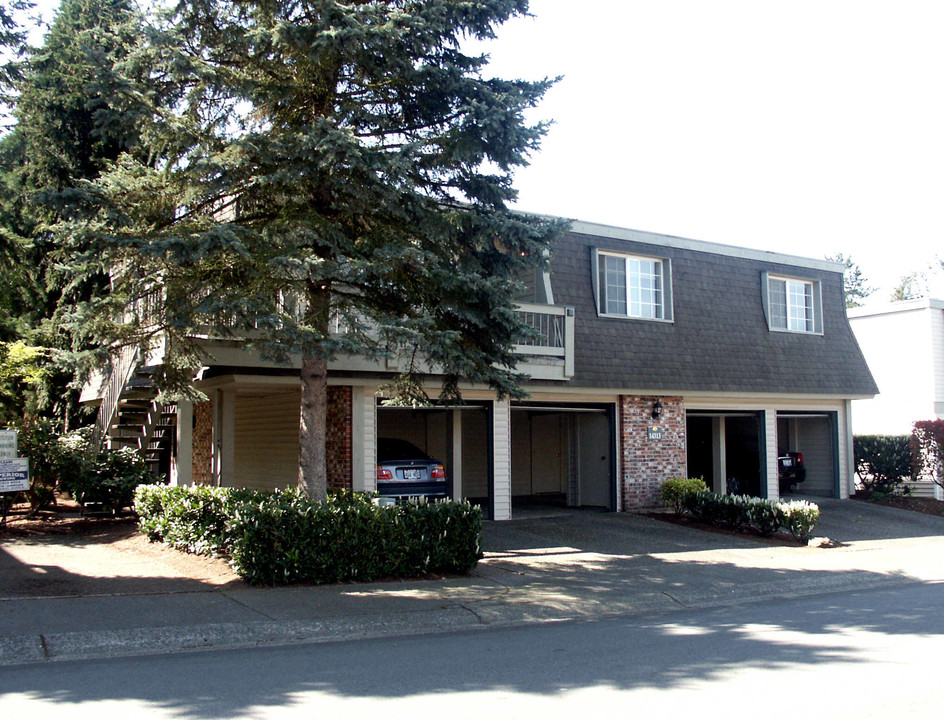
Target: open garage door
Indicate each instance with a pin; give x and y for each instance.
(562, 455)
(813, 436)
(725, 450)
(456, 436)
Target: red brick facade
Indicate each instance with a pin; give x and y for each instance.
(203, 443)
(339, 438)
(646, 463)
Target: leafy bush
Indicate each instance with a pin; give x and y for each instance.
(37, 440)
(281, 538)
(927, 448)
(882, 462)
(674, 489)
(192, 519)
(705, 506)
(799, 517)
(764, 516)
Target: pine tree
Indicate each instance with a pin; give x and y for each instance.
(325, 165)
(71, 124)
(855, 285)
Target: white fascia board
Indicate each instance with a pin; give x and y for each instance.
(900, 306)
(640, 236)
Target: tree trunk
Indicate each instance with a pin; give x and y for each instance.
(312, 452)
(312, 429)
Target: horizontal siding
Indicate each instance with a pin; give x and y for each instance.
(267, 441)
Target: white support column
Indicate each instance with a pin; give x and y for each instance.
(182, 468)
(501, 454)
(456, 454)
(364, 439)
(846, 453)
(768, 434)
(719, 456)
(224, 438)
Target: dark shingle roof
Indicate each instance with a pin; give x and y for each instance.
(719, 340)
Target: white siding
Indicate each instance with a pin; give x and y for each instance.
(936, 319)
(267, 441)
(501, 432)
(770, 437)
(898, 349)
(364, 438)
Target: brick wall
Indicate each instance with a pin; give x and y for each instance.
(339, 438)
(646, 463)
(202, 443)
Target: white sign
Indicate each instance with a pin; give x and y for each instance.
(7, 444)
(14, 475)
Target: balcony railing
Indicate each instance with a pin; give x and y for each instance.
(549, 353)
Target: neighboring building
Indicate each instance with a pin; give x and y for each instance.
(903, 343)
(659, 357)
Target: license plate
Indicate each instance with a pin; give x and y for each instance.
(788, 462)
(412, 474)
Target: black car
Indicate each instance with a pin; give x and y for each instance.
(403, 470)
(790, 470)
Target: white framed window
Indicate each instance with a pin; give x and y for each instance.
(792, 304)
(632, 286)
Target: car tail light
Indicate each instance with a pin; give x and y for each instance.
(799, 457)
(439, 473)
(384, 474)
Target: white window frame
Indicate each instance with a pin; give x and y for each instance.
(661, 310)
(784, 313)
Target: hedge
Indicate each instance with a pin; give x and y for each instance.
(283, 538)
(799, 517)
(883, 462)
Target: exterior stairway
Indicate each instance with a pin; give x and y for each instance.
(130, 416)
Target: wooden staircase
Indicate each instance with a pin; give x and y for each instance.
(133, 418)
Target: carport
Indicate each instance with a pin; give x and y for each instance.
(724, 449)
(563, 455)
(816, 436)
(457, 436)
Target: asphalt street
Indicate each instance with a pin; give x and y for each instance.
(865, 654)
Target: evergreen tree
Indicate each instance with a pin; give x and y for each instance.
(71, 123)
(854, 284)
(335, 177)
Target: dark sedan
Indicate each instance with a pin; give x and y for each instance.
(403, 470)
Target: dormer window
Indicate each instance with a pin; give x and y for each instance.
(793, 304)
(632, 286)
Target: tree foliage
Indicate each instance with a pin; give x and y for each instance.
(333, 176)
(855, 285)
(927, 447)
(912, 286)
(71, 124)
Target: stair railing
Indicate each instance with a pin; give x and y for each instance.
(122, 369)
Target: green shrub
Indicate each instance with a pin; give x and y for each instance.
(799, 517)
(734, 511)
(927, 450)
(764, 517)
(704, 506)
(675, 489)
(883, 462)
(110, 479)
(192, 519)
(281, 538)
(37, 440)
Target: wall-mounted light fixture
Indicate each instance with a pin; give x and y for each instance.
(656, 409)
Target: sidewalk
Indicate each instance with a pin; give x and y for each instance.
(68, 597)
